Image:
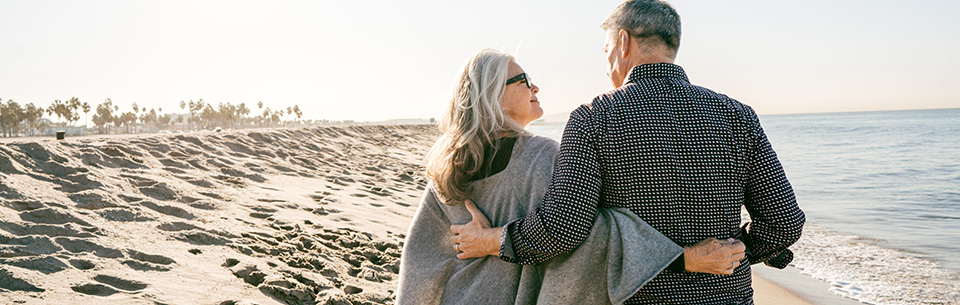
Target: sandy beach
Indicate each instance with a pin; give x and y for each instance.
(279, 216)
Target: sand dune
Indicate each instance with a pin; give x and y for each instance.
(295, 216)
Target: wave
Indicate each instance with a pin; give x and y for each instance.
(860, 268)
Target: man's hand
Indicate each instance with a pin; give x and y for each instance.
(475, 238)
(714, 256)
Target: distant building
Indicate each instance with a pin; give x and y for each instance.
(71, 130)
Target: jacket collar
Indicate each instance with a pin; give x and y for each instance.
(658, 70)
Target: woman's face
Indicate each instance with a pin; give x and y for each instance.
(520, 102)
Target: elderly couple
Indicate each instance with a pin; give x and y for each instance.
(639, 204)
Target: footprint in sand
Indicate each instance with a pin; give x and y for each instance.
(95, 289)
(250, 274)
(174, 170)
(27, 245)
(119, 283)
(139, 181)
(82, 264)
(211, 195)
(168, 210)
(228, 179)
(262, 212)
(130, 199)
(160, 191)
(319, 211)
(260, 215)
(93, 200)
(177, 226)
(81, 246)
(376, 190)
(51, 216)
(209, 205)
(197, 181)
(150, 258)
(201, 238)
(45, 264)
(172, 164)
(148, 262)
(12, 283)
(323, 198)
(123, 215)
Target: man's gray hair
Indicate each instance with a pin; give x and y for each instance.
(646, 20)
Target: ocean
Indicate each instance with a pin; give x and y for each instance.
(881, 192)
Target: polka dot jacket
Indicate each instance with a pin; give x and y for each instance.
(685, 159)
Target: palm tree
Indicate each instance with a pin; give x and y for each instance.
(195, 107)
(10, 116)
(296, 110)
(183, 106)
(103, 115)
(266, 116)
(86, 109)
(242, 111)
(289, 111)
(32, 115)
(71, 111)
(136, 110)
(56, 108)
(117, 119)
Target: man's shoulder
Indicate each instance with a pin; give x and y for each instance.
(606, 99)
(638, 92)
(704, 92)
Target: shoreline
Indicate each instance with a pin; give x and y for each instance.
(790, 286)
(271, 215)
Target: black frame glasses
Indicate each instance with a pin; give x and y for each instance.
(521, 77)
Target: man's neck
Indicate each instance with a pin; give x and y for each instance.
(653, 59)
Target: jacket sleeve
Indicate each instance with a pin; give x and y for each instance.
(564, 218)
(776, 219)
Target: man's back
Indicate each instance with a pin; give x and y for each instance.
(685, 159)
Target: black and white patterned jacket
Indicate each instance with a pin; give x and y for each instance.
(683, 158)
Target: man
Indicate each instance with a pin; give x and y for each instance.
(682, 157)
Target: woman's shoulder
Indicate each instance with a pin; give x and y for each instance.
(538, 149)
(540, 143)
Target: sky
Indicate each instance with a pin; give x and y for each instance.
(378, 60)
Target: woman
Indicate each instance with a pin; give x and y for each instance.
(485, 155)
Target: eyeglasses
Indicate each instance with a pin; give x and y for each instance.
(521, 77)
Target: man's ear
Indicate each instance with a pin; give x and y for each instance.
(625, 47)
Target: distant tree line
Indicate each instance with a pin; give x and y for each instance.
(28, 119)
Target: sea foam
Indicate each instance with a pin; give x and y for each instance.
(862, 269)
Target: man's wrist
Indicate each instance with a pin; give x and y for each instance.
(679, 264)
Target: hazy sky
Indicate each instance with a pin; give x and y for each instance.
(375, 60)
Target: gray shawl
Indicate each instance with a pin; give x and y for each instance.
(621, 254)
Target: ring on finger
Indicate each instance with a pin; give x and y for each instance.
(456, 247)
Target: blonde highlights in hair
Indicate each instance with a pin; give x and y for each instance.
(474, 117)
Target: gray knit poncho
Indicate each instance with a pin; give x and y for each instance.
(621, 254)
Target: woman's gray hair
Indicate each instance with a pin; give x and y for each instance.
(474, 117)
(648, 21)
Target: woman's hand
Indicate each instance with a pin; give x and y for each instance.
(714, 256)
(475, 238)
